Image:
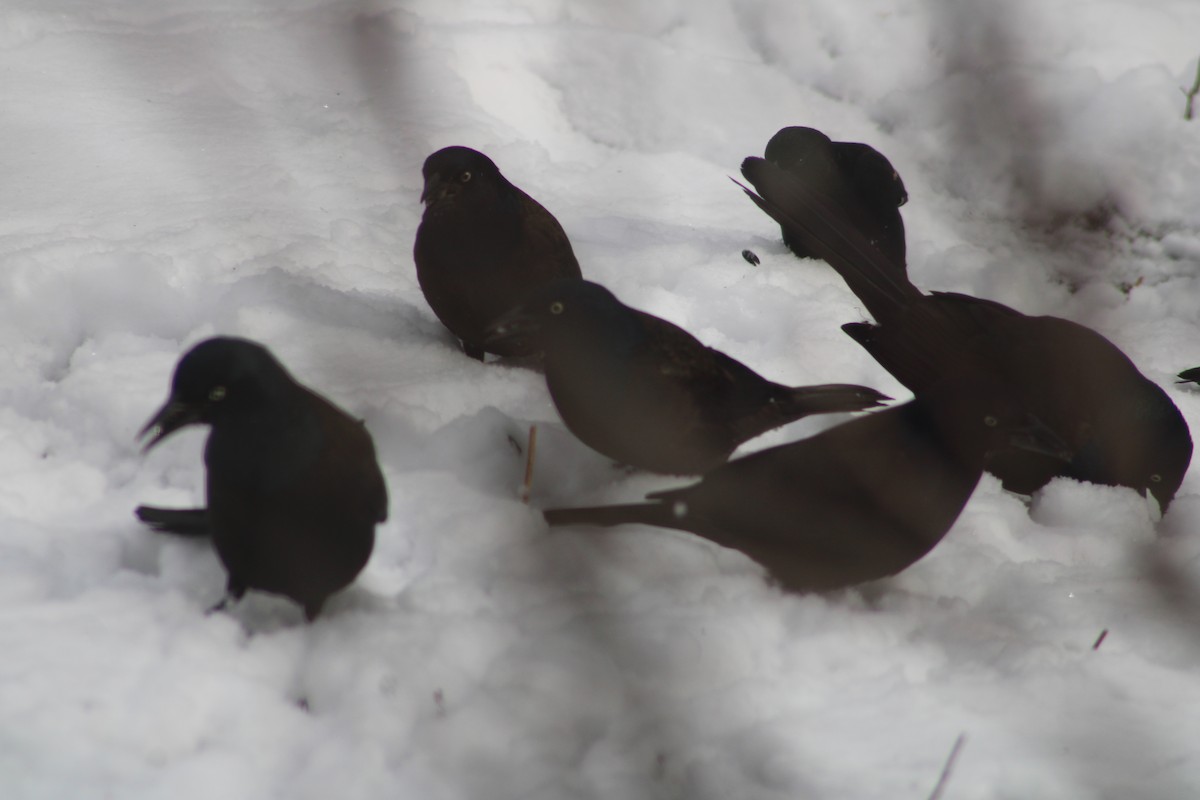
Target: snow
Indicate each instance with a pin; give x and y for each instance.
(252, 167)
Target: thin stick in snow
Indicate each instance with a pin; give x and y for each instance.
(531, 452)
(1190, 94)
(948, 767)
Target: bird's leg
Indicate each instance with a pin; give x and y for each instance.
(527, 485)
(220, 606)
(234, 591)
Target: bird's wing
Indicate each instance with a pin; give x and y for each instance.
(856, 502)
(350, 459)
(876, 180)
(545, 246)
(707, 374)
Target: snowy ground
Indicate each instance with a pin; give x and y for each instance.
(252, 167)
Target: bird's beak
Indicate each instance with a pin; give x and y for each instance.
(436, 189)
(1036, 436)
(168, 419)
(516, 323)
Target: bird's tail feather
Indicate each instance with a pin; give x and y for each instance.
(1190, 375)
(792, 403)
(179, 521)
(828, 398)
(644, 513)
(921, 357)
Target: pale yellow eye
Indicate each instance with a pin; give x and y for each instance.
(1156, 478)
(217, 394)
(466, 176)
(990, 421)
(556, 307)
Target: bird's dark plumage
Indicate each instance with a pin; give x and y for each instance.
(1190, 375)
(294, 489)
(854, 503)
(482, 245)
(646, 392)
(1121, 428)
(851, 169)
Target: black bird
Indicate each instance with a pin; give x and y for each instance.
(1120, 427)
(853, 169)
(482, 245)
(646, 392)
(854, 503)
(294, 490)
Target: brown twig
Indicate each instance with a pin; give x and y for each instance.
(948, 767)
(1100, 639)
(1190, 94)
(527, 486)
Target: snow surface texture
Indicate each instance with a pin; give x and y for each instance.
(252, 167)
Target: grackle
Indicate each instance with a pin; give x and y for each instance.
(294, 490)
(1120, 428)
(856, 170)
(646, 392)
(854, 503)
(482, 245)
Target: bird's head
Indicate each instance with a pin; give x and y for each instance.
(216, 378)
(1148, 446)
(565, 309)
(795, 144)
(455, 172)
(1164, 477)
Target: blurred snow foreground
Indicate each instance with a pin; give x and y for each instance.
(175, 170)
